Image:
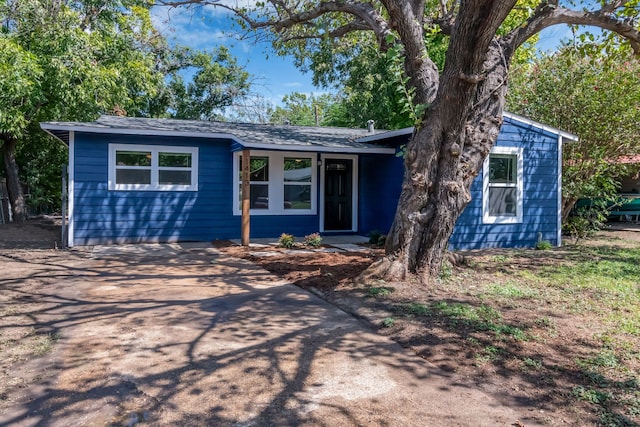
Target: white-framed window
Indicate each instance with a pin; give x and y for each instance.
(503, 186)
(281, 183)
(153, 168)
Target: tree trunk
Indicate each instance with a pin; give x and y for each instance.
(16, 198)
(442, 160)
(567, 206)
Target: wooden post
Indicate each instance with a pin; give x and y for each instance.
(63, 232)
(246, 161)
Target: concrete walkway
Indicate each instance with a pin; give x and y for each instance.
(182, 335)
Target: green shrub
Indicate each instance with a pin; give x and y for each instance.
(544, 245)
(388, 322)
(374, 237)
(286, 240)
(585, 221)
(314, 240)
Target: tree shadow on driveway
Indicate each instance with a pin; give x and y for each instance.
(197, 338)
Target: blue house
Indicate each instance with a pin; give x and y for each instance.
(159, 180)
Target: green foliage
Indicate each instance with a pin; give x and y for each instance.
(300, 109)
(544, 245)
(380, 291)
(592, 93)
(314, 240)
(286, 240)
(71, 61)
(388, 322)
(377, 238)
(481, 318)
(217, 81)
(374, 237)
(585, 221)
(446, 271)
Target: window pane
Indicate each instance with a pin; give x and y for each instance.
(502, 201)
(175, 160)
(258, 196)
(297, 169)
(258, 169)
(297, 197)
(174, 177)
(133, 158)
(133, 176)
(503, 168)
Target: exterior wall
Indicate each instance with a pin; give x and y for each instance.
(102, 216)
(380, 191)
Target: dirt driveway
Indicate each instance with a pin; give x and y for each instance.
(183, 335)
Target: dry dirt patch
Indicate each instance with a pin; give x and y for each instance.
(496, 328)
(526, 345)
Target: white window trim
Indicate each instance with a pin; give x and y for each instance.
(154, 149)
(503, 219)
(354, 195)
(276, 183)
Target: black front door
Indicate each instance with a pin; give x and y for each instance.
(338, 209)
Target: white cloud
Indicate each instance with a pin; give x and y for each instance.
(188, 27)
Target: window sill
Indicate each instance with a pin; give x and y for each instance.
(501, 220)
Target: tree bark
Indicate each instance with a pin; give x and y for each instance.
(16, 197)
(442, 160)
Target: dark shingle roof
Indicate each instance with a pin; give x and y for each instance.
(261, 136)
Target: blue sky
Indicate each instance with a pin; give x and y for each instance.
(207, 28)
(274, 76)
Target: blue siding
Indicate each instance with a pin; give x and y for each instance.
(102, 216)
(380, 183)
(380, 187)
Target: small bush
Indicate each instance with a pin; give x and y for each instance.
(388, 322)
(544, 245)
(286, 240)
(314, 240)
(379, 291)
(382, 240)
(586, 221)
(374, 237)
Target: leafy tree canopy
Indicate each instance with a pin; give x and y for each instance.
(594, 94)
(72, 60)
(302, 110)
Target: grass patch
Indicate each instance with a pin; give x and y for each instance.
(379, 291)
(42, 344)
(511, 290)
(388, 322)
(482, 318)
(602, 280)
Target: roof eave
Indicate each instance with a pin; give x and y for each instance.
(319, 148)
(521, 119)
(49, 127)
(541, 126)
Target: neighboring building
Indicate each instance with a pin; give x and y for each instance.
(630, 184)
(158, 180)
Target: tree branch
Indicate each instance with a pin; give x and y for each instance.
(286, 18)
(549, 13)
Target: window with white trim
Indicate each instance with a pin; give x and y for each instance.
(502, 186)
(280, 183)
(153, 168)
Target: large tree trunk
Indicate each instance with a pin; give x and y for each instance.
(447, 150)
(16, 198)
